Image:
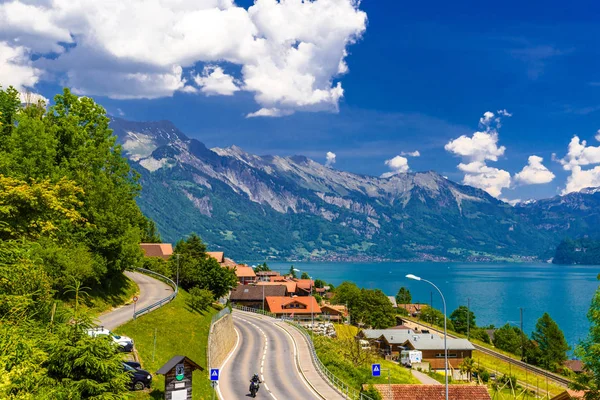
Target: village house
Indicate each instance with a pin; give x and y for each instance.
(413, 309)
(431, 392)
(254, 296)
(393, 341)
(334, 313)
(245, 274)
(293, 307)
(161, 250)
(304, 287)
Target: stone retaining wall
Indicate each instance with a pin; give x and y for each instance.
(221, 341)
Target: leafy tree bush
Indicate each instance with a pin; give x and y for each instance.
(158, 265)
(367, 306)
(373, 393)
(480, 334)
(459, 319)
(200, 299)
(435, 317)
(196, 268)
(510, 338)
(262, 268)
(320, 283)
(304, 276)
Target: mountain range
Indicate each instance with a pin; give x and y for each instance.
(271, 207)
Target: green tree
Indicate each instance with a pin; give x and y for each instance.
(262, 268)
(196, 268)
(320, 283)
(551, 341)
(467, 366)
(292, 272)
(435, 317)
(589, 353)
(480, 334)
(372, 393)
(510, 338)
(304, 276)
(459, 319)
(403, 296)
(200, 299)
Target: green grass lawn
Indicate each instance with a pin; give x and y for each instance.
(179, 331)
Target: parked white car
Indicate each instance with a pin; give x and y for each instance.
(126, 343)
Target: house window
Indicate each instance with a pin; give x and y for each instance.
(450, 355)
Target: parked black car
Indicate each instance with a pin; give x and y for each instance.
(140, 379)
(133, 364)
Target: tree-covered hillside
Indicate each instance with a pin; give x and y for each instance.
(68, 221)
(584, 251)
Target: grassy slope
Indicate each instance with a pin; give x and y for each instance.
(114, 293)
(331, 352)
(179, 331)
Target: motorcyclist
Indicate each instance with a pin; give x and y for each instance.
(254, 382)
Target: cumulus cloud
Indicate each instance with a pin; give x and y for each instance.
(16, 69)
(32, 98)
(482, 146)
(580, 154)
(534, 173)
(397, 164)
(598, 135)
(215, 81)
(290, 53)
(330, 159)
(415, 153)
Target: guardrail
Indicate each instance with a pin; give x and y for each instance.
(220, 315)
(336, 383)
(160, 302)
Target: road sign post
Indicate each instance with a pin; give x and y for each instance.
(135, 299)
(376, 369)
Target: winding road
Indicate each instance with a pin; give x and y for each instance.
(279, 354)
(151, 291)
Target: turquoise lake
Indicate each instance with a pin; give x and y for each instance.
(496, 291)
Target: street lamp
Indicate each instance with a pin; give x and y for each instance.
(417, 278)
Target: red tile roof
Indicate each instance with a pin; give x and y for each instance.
(432, 392)
(217, 255)
(276, 305)
(277, 279)
(162, 250)
(243, 271)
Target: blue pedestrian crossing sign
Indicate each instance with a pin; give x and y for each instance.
(376, 369)
(214, 374)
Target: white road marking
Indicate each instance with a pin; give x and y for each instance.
(237, 342)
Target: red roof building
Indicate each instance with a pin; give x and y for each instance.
(432, 392)
(296, 306)
(162, 250)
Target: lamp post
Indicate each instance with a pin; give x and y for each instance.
(416, 278)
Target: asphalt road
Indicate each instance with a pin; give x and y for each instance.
(265, 349)
(151, 291)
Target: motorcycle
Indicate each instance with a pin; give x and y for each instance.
(253, 388)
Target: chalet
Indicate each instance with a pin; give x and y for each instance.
(393, 341)
(290, 286)
(304, 287)
(296, 307)
(253, 296)
(265, 276)
(413, 309)
(221, 259)
(335, 313)
(245, 274)
(431, 392)
(161, 250)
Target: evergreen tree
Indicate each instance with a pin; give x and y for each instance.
(551, 342)
(304, 276)
(292, 272)
(403, 296)
(510, 338)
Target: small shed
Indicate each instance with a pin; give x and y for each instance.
(178, 377)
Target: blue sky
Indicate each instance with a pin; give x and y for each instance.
(419, 76)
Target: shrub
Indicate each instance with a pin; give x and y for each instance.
(200, 299)
(372, 393)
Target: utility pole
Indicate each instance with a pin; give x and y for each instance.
(263, 303)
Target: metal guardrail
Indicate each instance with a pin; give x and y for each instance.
(220, 315)
(160, 302)
(336, 383)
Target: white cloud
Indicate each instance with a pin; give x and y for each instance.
(580, 154)
(482, 146)
(534, 173)
(270, 112)
(215, 81)
(15, 67)
(490, 179)
(513, 202)
(598, 135)
(32, 98)
(330, 159)
(397, 164)
(415, 153)
(290, 52)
